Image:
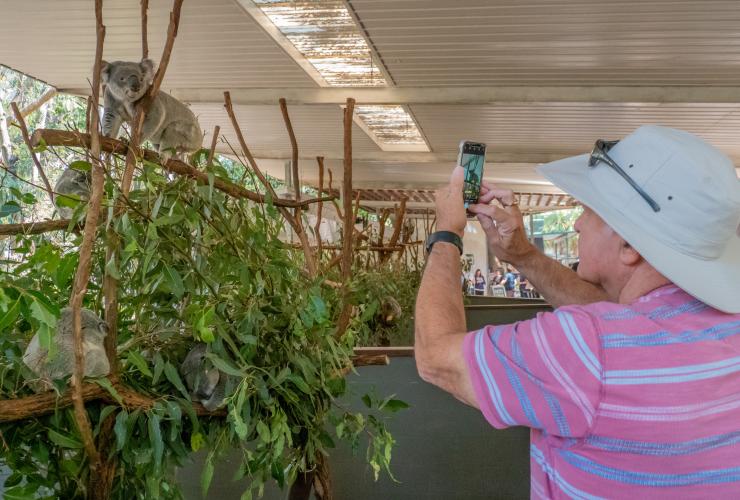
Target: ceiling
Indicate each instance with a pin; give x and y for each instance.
(536, 79)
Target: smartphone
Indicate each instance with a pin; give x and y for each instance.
(471, 157)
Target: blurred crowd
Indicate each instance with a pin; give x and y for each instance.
(502, 282)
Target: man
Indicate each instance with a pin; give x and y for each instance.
(509, 283)
(632, 385)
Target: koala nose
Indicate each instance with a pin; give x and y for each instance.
(134, 83)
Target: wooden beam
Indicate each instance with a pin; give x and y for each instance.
(393, 352)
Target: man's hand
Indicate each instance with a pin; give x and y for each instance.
(504, 227)
(449, 205)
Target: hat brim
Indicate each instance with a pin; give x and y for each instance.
(714, 282)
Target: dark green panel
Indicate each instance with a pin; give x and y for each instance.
(445, 449)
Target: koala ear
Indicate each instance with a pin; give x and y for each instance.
(147, 67)
(105, 68)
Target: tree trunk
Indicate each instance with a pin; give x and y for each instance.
(6, 145)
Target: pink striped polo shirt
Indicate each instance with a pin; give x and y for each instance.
(624, 401)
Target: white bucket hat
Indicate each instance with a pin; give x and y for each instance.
(694, 237)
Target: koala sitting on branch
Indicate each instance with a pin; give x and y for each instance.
(61, 363)
(169, 124)
(74, 183)
(205, 382)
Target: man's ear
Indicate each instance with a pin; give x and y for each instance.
(628, 255)
(105, 68)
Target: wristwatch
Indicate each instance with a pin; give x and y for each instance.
(447, 236)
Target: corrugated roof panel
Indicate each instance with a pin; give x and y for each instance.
(571, 128)
(218, 45)
(568, 42)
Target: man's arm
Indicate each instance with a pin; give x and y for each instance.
(440, 325)
(440, 315)
(558, 284)
(507, 239)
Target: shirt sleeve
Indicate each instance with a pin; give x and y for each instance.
(544, 373)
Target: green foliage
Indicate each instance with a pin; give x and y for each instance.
(370, 289)
(193, 265)
(560, 221)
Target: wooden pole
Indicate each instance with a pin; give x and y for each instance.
(398, 224)
(82, 275)
(293, 147)
(317, 230)
(144, 42)
(212, 151)
(348, 234)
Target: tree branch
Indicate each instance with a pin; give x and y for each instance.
(77, 139)
(349, 227)
(144, 42)
(38, 405)
(398, 224)
(317, 230)
(212, 151)
(36, 227)
(82, 275)
(27, 140)
(293, 147)
(294, 222)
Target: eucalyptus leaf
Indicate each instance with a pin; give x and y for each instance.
(171, 373)
(9, 208)
(207, 475)
(174, 281)
(155, 437)
(81, 165)
(139, 362)
(63, 441)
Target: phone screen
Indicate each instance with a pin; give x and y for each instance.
(472, 157)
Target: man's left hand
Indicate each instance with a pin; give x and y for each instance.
(449, 205)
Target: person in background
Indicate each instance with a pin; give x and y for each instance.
(631, 386)
(479, 282)
(509, 283)
(523, 286)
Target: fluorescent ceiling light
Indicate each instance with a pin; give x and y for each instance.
(326, 35)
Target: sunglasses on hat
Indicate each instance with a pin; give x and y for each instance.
(600, 153)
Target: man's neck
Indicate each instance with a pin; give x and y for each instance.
(643, 280)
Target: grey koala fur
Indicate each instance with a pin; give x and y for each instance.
(74, 182)
(169, 124)
(206, 383)
(390, 311)
(61, 364)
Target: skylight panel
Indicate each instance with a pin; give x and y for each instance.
(327, 36)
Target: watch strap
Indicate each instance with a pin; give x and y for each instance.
(446, 236)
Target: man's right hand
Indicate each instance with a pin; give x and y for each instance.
(504, 227)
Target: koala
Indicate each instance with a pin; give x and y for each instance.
(169, 124)
(61, 363)
(206, 383)
(390, 311)
(73, 182)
